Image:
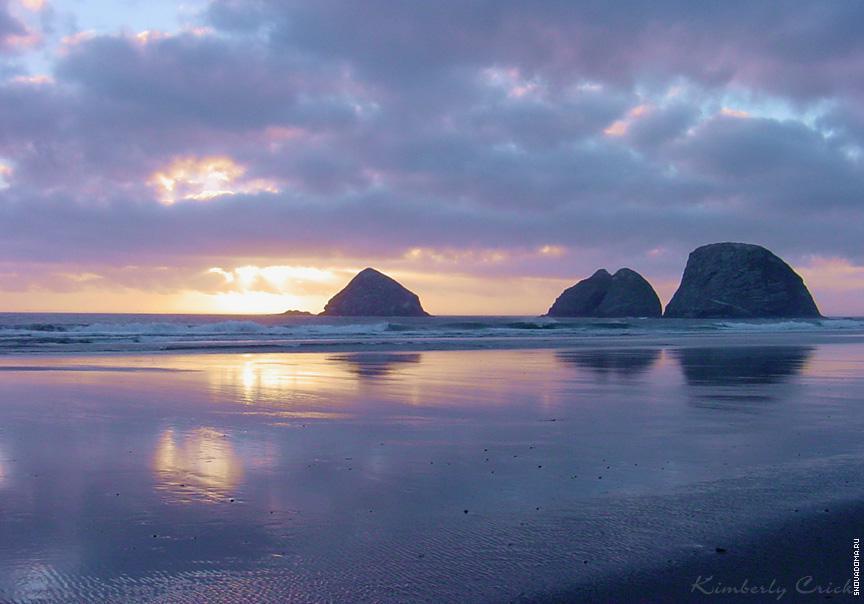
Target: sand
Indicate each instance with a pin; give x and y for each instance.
(805, 557)
(430, 476)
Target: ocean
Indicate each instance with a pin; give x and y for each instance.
(105, 333)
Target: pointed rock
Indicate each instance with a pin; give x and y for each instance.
(624, 294)
(739, 280)
(374, 294)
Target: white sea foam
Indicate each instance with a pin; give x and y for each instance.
(772, 326)
(225, 328)
(792, 325)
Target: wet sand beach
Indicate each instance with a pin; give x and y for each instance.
(804, 557)
(605, 473)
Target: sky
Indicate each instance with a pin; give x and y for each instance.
(250, 156)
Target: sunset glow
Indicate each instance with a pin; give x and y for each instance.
(5, 175)
(728, 112)
(33, 5)
(203, 179)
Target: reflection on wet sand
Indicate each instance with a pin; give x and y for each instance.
(750, 373)
(496, 469)
(272, 378)
(356, 384)
(375, 364)
(620, 362)
(201, 463)
(745, 365)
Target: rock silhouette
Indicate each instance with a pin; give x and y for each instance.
(739, 280)
(374, 294)
(624, 294)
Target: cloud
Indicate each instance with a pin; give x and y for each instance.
(435, 138)
(14, 35)
(806, 50)
(204, 179)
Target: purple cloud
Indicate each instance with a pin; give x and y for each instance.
(622, 134)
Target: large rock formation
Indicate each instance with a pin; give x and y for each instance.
(624, 294)
(374, 294)
(739, 280)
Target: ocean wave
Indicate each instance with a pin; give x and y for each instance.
(843, 323)
(221, 328)
(540, 324)
(791, 325)
(189, 332)
(768, 326)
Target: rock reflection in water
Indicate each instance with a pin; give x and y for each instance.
(749, 373)
(744, 365)
(619, 362)
(375, 364)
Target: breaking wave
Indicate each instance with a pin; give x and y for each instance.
(107, 333)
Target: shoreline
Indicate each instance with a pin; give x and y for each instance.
(621, 341)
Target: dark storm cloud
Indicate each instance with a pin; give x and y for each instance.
(599, 127)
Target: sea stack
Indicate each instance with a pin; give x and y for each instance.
(739, 281)
(624, 294)
(374, 294)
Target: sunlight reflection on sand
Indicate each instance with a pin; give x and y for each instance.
(202, 463)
